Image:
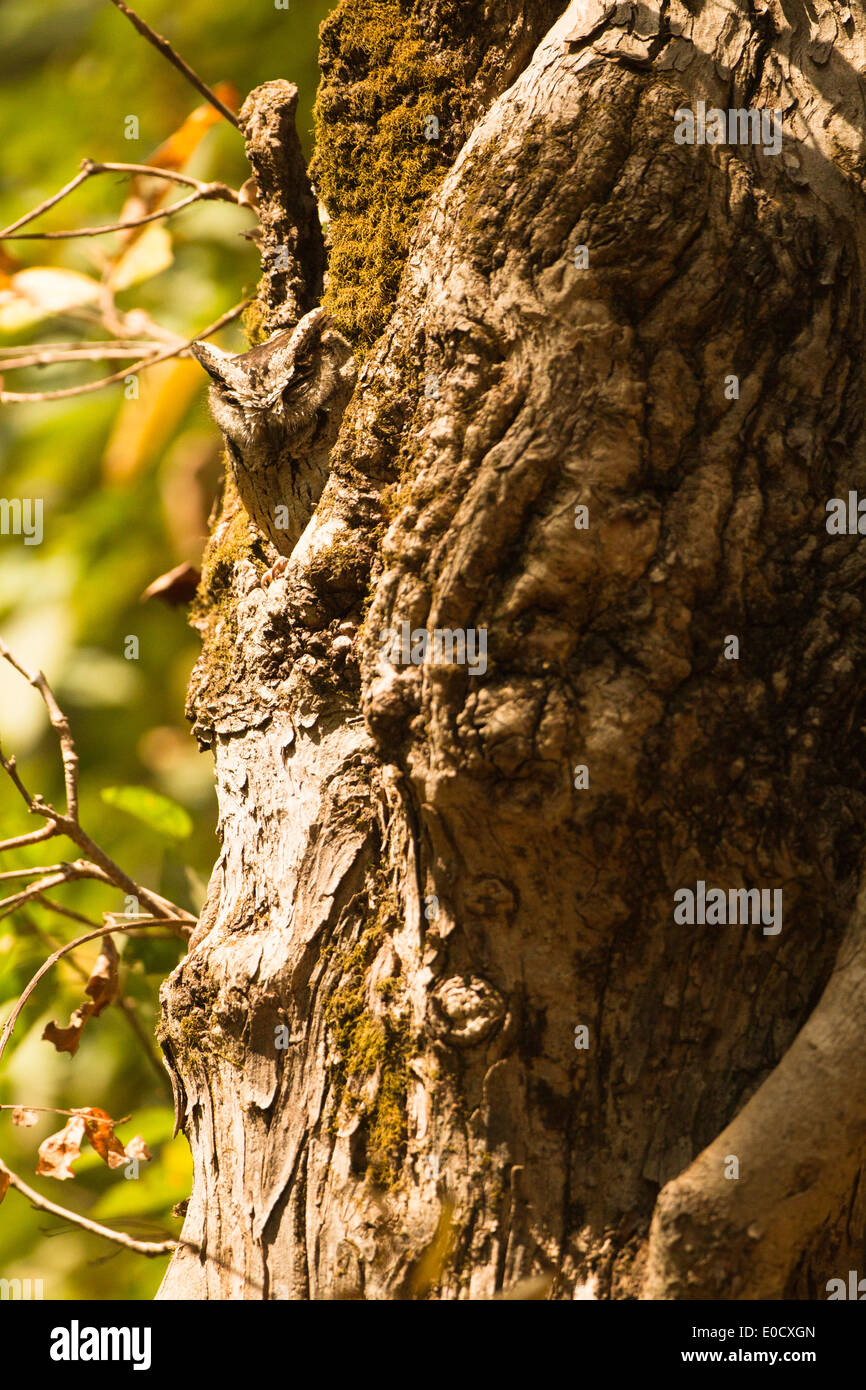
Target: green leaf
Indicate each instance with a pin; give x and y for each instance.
(158, 812)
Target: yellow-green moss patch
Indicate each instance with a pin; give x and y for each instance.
(366, 1043)
(374, 166)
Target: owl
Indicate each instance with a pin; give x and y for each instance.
(279, 407)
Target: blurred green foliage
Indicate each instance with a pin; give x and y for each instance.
(127, 487)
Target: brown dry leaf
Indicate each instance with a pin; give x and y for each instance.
(102, 985)
(136, 1148)
(24, 1117)
(183, 143)
(102, 988)
(143, 428)
(99, 1128)
(4, 1183)
(59, 1150)
(176, 586)
(67, 1039)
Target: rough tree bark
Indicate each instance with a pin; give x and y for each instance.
(410, 882)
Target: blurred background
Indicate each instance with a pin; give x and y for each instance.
(127, 486)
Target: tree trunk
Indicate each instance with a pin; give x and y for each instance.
(421, 900)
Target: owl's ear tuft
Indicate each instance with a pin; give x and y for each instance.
(293, 351)
(218, 364)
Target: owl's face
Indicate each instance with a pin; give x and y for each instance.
(276, 388)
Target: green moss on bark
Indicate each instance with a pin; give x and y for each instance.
(213, 610)
(366, 1043)
(388, 1128)
(199, 1032)
(254, 320)
(374, 167)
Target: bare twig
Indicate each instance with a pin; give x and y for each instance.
(141, 1247)
(10, 766)
(127, 1008)
(50, 356)
(151, 171)
(115, 917)
(68, 873)
(18, 841)
(43, 354)
(118, 921)
(91, 167)
(168, 52)
(49, 202)
(59, 723)
(123, 1002)
(98, 865)
(51, 906)
(56, 1110)
(29, 873)
(208, 192)
(132, 370)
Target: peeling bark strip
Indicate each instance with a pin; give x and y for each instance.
(438, 1000)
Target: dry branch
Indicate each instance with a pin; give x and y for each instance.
(92, 167)
(177, 351)
(99, 865)
(132, 925)
(141, 1247)
(175, 59)
(217, 190)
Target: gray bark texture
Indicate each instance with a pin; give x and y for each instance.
(411, 886)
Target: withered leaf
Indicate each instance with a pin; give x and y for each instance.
(24, 1117)
(4, 1184)
(99, 1128)
(102, 985)
(40, 292)
(59, 1150)
(102, 988)
(182, 143)
(136, 1148)
(67, 1039)
(176, 586)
